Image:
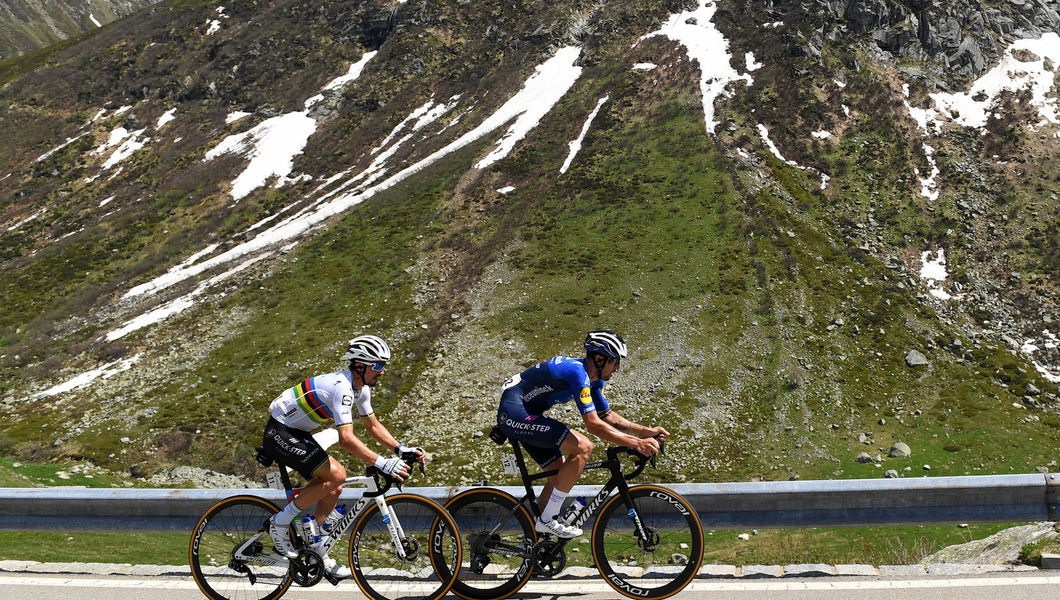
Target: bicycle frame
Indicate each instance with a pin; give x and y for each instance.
(617, 481)
(373, 492)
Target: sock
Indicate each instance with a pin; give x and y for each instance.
(285, 516)
(553, 506)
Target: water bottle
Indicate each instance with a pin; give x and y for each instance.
(329, 523)
(579, 501)
(310, 531)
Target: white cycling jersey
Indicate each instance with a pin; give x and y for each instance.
(316, 400)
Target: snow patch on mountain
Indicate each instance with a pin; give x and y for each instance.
(576, 144)
(703, 42)
(1025, 64)
(549, 82)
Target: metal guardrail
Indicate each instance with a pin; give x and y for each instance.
(770, 504)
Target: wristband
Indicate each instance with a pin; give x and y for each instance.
(397, 449)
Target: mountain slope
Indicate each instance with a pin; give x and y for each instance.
(774, 205)
(28, 25)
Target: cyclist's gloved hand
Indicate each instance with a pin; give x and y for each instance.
(393, 466)
(411, 453)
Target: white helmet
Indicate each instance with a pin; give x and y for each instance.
(368, 349)
(607, 343)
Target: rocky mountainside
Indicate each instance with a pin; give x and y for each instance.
(825, 228)
(28, 25)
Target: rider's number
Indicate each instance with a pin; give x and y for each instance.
(510, 466)
(272, 479)
(514, 380)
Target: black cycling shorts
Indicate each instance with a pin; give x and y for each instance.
(293, 448)
(540, 436)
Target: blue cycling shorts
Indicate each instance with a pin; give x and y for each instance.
(541, 436)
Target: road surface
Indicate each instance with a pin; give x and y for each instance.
(1024, 585)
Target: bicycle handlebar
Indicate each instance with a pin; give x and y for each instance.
(389, 481)
(642, 460)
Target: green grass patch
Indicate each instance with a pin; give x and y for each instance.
(857, 545)
(132, 548)
(15, 473)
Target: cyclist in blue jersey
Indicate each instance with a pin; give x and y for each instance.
(525, 398)
(311, 404)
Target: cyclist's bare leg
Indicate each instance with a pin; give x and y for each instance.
(577, 448)
(323, 490)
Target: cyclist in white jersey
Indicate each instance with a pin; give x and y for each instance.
(311, 404)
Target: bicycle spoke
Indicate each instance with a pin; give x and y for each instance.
(429, 546)
(654, 562)
(224, 528)
(496, 541)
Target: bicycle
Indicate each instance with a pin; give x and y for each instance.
(403, 546)
(636, 539)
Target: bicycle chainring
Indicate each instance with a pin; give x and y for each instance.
(546, 563)
(308, 569)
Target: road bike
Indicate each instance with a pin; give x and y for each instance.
(646, 541)
(401, 547)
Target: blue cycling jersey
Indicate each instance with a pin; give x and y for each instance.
(555, 381)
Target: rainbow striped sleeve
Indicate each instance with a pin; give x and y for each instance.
(310, 402)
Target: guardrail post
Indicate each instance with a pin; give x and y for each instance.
(1052, 495)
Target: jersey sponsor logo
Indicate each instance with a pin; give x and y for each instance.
(524, 426)
(287, 446)
(585, 398)
(534, 393)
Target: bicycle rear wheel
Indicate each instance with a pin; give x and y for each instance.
(225, 527)
(431, 545)
(497, 531)
(656, 567)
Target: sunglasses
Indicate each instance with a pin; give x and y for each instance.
(614, 361)
(378, 367)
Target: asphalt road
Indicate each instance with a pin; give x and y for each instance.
(1008, 586)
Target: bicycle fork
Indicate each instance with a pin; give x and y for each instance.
(397, 534)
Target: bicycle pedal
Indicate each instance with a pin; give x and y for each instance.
(332, 579)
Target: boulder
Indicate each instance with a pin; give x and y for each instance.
(915, 359)
(900, 450)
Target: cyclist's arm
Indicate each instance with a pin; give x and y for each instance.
(624, 425)
(379, 432)
(605, 431)
(352, 444)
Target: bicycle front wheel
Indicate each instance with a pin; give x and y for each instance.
(659, 563)
(497, 533)
(430, 550)
(224, 528)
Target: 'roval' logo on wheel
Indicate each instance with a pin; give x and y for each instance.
(668, 498)
(621, 584)
(355, 557)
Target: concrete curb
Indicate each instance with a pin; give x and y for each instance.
(705, 572)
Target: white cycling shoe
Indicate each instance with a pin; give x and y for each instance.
(557, 528)
(335, 569)
(281, 539)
